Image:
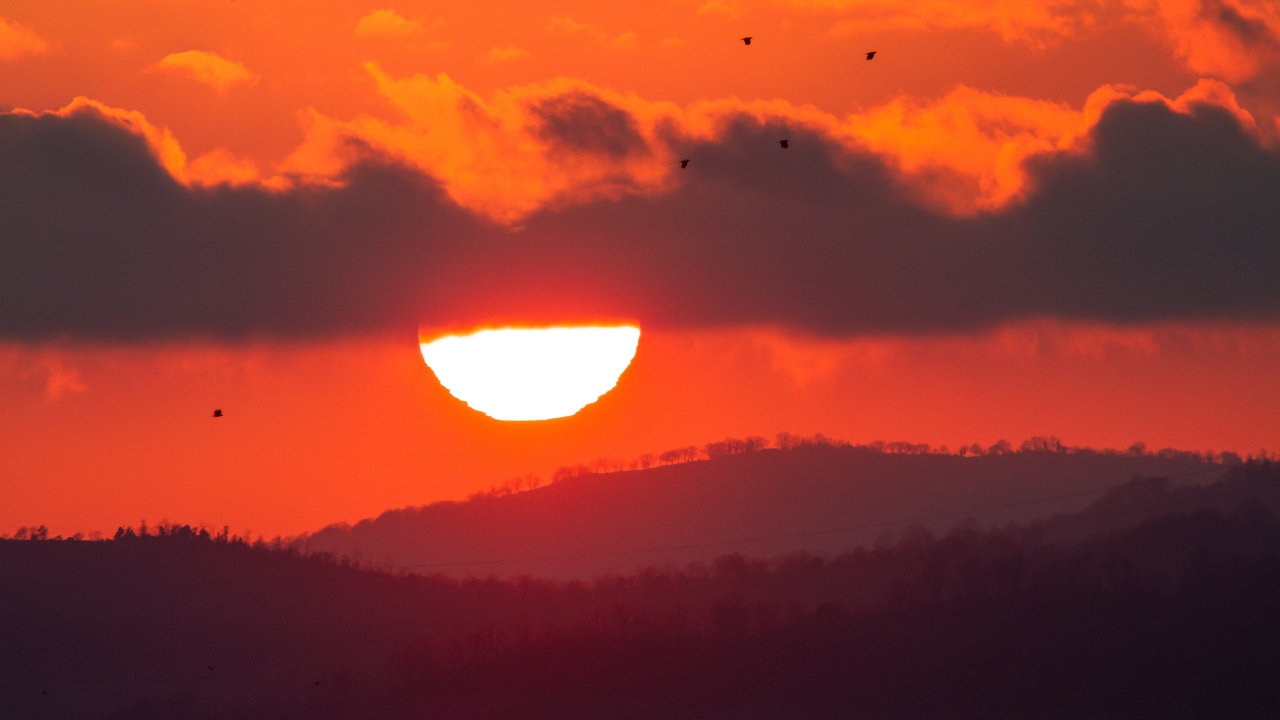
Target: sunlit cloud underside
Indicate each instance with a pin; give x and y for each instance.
(532, 374)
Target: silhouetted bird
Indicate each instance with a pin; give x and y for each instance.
(746, 40)
(783, 143)
(871, 54)
(684, 164)
(217, 413)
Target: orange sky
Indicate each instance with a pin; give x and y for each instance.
(306, 53)
(266, 91)
(322, 433)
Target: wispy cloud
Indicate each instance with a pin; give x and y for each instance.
(1231, 39)
(208, 68)
(509, 53)
(62, 381)
(570, 26)
(18, 41)
(730, 8)
(386, 23)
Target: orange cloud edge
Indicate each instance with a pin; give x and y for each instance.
(963, 152)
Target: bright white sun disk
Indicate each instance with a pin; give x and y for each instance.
(532, 374)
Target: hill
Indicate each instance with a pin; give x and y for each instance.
(1177, 615)
(1143, 498)
(819, 497)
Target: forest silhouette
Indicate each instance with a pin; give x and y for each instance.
(1157, 600)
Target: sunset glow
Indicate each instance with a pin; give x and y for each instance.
(532, 374)
(1018, 219)
(320, 358)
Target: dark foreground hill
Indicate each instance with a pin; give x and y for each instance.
(818, 498)
(1177, 616)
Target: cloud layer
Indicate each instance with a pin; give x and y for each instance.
(1157, 210)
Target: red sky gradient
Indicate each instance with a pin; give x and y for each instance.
(94, 436)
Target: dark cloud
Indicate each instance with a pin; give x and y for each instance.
(582, 122)
(1171, 216)
(1249, 30)
(98, 241)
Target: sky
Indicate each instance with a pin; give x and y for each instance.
(1020, 218)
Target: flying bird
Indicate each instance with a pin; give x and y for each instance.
(746, 40)
(783, 143)
(684, 164)
(217, 413)
(871, 54)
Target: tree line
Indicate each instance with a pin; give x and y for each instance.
(787, 442)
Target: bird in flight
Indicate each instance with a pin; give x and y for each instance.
(684, 164)
(217, 413)
(871, 54)
(783, 143)
(746, 40)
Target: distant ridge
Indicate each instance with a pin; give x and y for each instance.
(820, 497)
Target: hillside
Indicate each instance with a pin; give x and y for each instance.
(1175, 615)
(816, 498)
(1142, 498)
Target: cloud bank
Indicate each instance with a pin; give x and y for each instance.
(1153, 210)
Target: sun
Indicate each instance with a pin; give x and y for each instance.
(532, 373)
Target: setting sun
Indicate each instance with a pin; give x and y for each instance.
(951, 309)
(532, 373)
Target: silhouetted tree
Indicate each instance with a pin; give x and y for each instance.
(732, 446)
(1042, 444)
(679, 455)
(567, 472)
